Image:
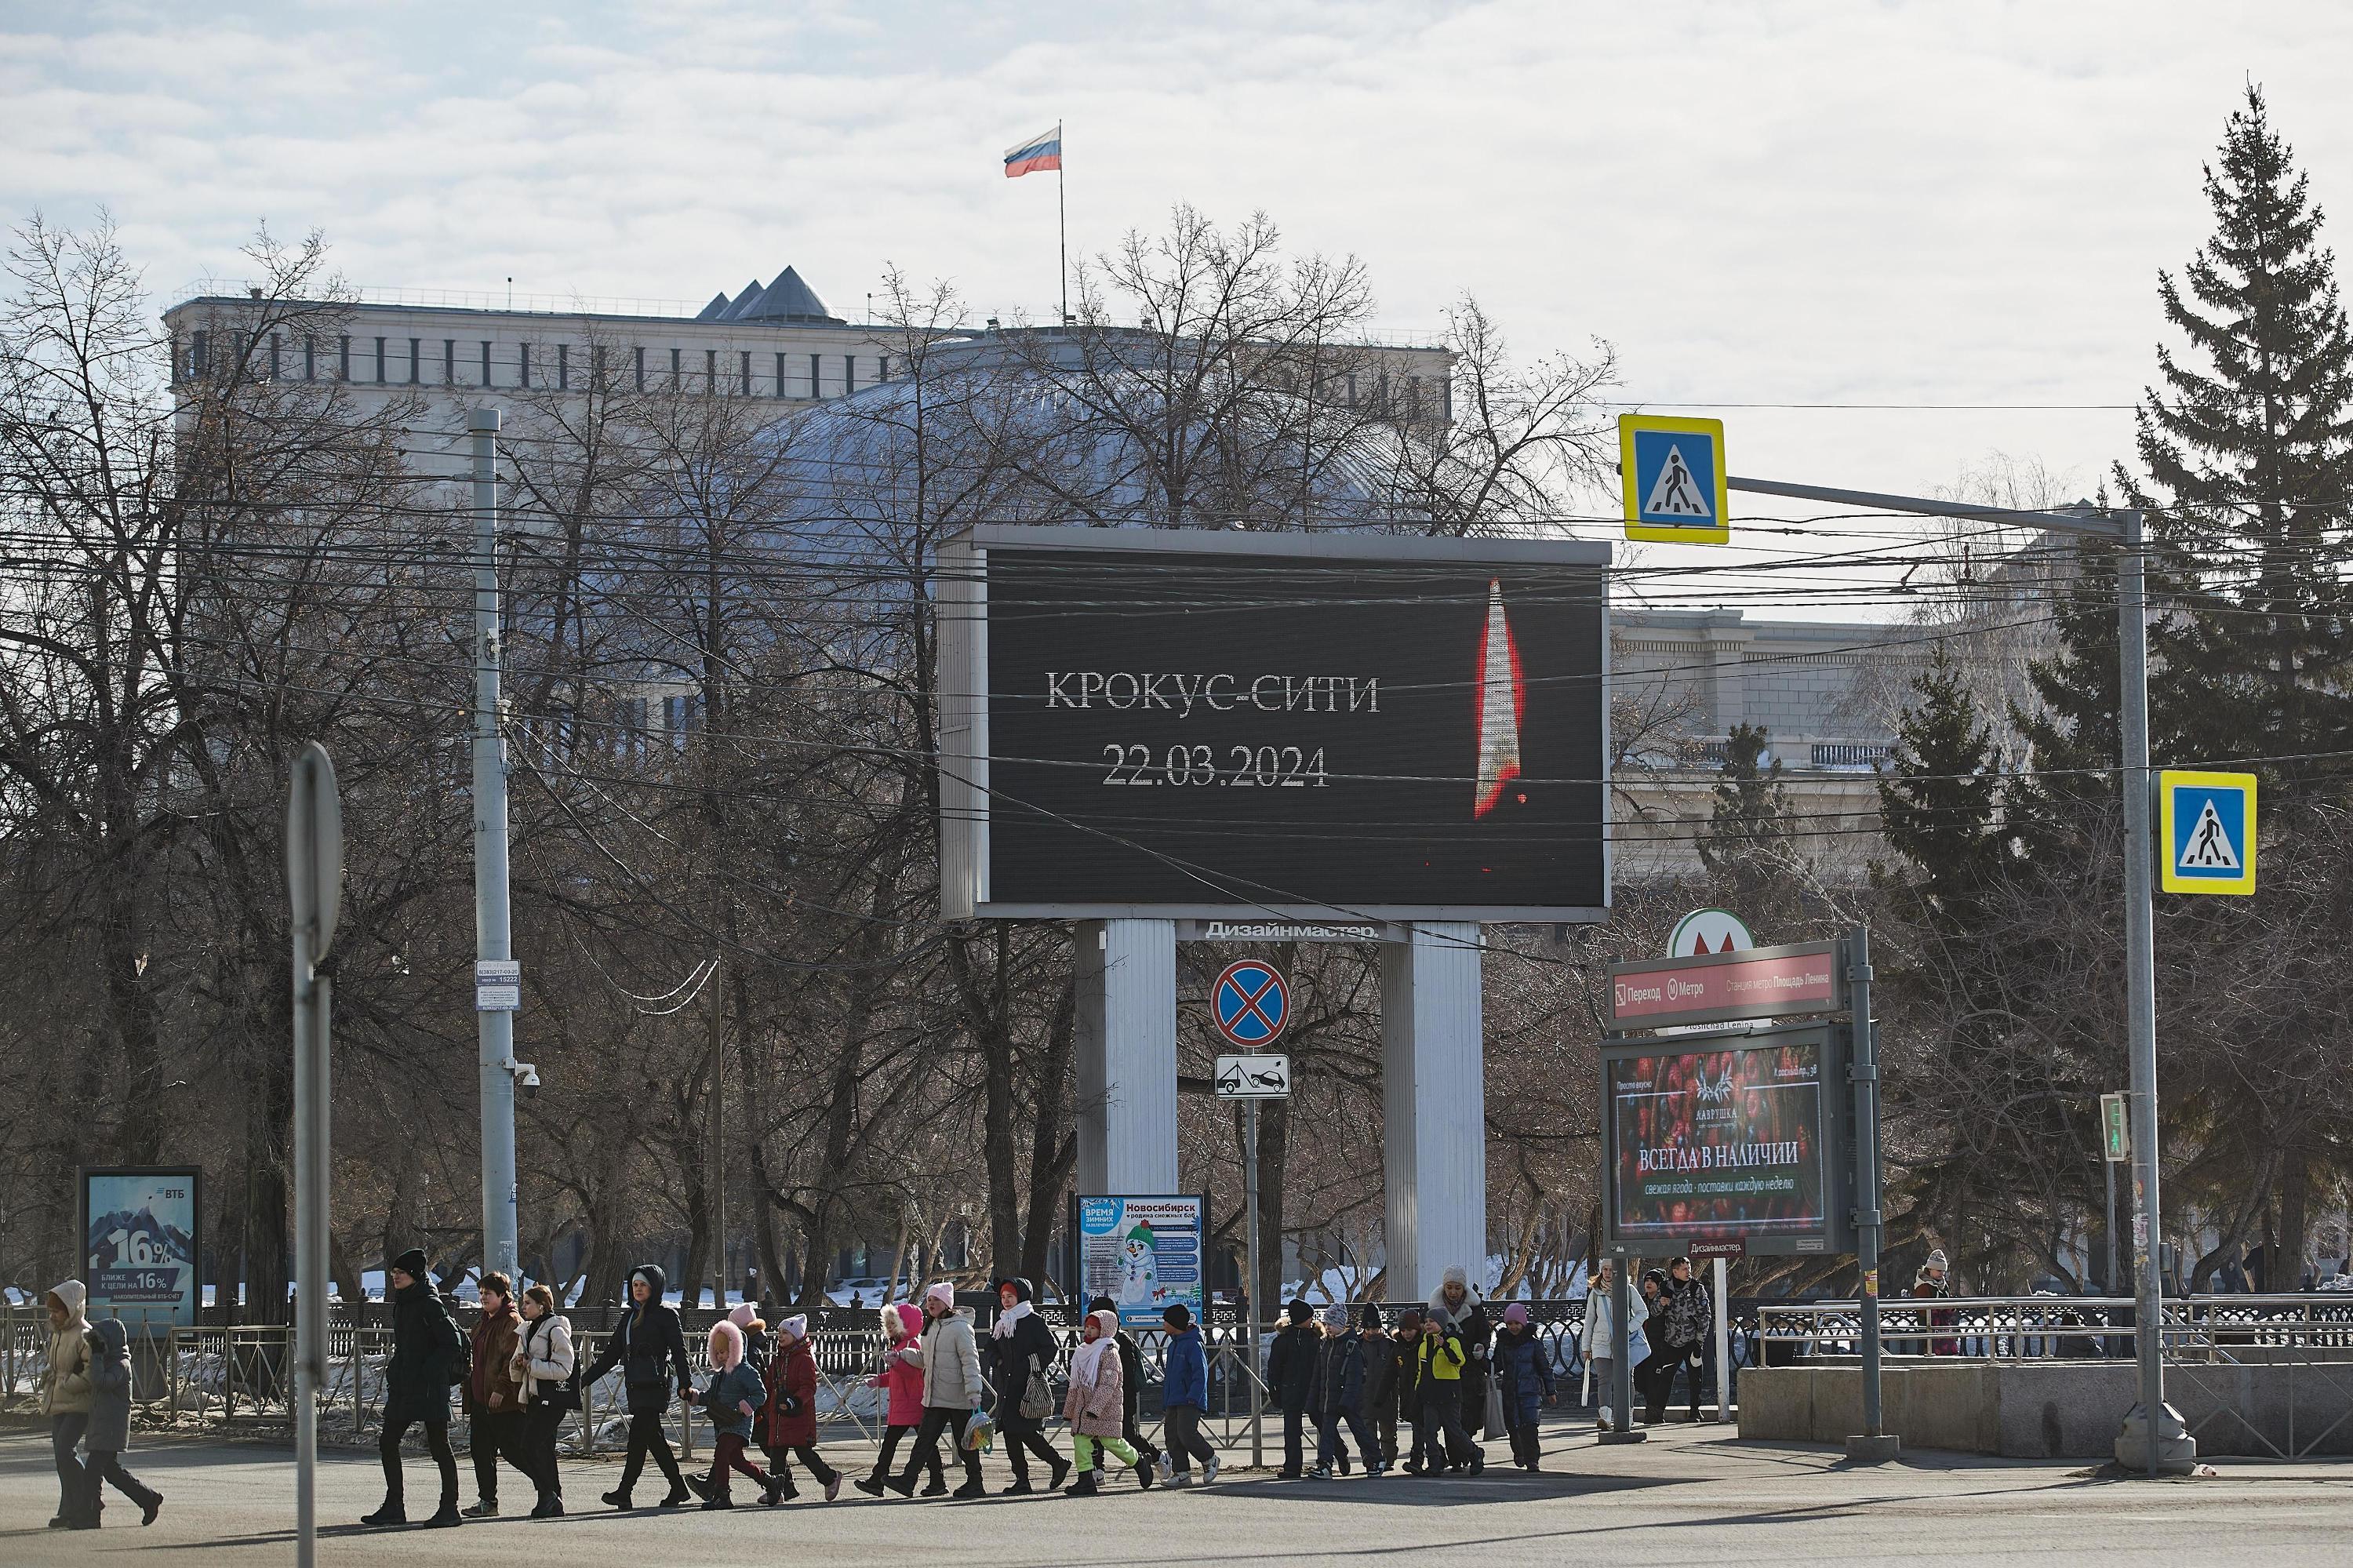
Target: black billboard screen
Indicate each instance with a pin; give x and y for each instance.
(1724, 1140)
(1201, 729)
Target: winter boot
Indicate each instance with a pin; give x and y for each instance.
(1084, 1486)
(871, 1486)
(619, 1500)
(391, 1513)
(448, 1517)
(1062, 1473)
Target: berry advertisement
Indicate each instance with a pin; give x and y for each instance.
(1720, 1143)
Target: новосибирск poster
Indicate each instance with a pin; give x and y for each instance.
(1143, 1253)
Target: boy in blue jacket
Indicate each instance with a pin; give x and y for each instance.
(1185, 1399)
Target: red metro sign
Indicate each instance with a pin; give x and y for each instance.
(1764, 982)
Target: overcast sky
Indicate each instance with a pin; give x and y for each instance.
(1946, 203)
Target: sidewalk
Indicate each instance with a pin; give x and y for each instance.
(1689, 1494)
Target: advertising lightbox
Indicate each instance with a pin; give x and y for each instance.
(1740, 1135)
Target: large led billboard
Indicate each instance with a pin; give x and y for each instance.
(1320, 726)
(1732, 1136)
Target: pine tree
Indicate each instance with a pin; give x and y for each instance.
(1748, 841)
(2249, 469)
(2064, 805)
(1939, 796)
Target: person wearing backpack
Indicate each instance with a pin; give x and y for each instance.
(1023, 1352)
(651, 1351)
(544, 1365)
(427, 1358)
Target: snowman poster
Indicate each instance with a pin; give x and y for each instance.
(1144, 1252)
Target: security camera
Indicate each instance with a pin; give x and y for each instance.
(526, 1077)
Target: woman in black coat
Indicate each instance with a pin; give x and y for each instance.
(1019, 1336)
(647, 1346)
(424, 1361)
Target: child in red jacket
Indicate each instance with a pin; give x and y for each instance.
(792, 1410)
(904, 1410)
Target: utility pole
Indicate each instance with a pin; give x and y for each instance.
(2151, 1428)
(493, 937)
(1252, 1311)
(718, 1114)
(1873, 1445)
(315, 883)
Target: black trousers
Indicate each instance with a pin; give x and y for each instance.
(1439, 1437)
(1385, 1422)
(437, 1439)
(1182, 1427)
(540, 1424)
(1526, 1448)
(1133, 1435)
(646, 1437)
(890, 1437)
(65, 1433)
(939, 1419)
(499, 1435)
(106, 1465)
(1295, 1436)
(1654, 1378)
(1023, 1439)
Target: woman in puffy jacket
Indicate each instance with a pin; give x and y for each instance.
(543, 1363)
(1095, 1405)
(902, 1390)
(951, 1363)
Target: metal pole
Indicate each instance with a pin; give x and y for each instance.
(494, 939)
(1723, 1341)
(312, 990)
(1250, 1294)
(2108, 1281)
(1062, 232)
(2140, 982)
(718, 1137)
(1873, 1445)
(1621, 1395)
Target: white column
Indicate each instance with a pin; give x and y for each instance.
(1435, 1106)
(1127, 1056)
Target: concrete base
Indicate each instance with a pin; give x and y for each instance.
(1867, 1450)
(2177, 1451)
(2056, 1409)
(1635, 1437)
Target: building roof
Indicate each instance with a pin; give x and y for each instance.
(788, 298)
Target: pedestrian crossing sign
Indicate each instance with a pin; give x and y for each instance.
(2206, 830)
(1672, 474)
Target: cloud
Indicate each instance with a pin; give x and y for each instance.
(1776, 202)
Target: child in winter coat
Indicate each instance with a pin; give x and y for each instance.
(1095, 1407)
(1291, 1379)
(757, 1346)
(731, 1398)
(1524, 1378)
(109, 1425)
(1439, 1433)
(1185, 1399)
(1131, 1386)
(1339, 1398)
(792, 1410)
(903, 1386)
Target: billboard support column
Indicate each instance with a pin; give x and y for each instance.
(1251, 1312)
(1872, 1445)
(1127, 1055)
(1434, 1104)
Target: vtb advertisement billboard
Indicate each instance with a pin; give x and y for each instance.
(1742, 1136)
(1313, 724)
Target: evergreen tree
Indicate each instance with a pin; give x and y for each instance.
(2248, 465)
(1939, 796)
(2064, 805)
(1748, 841)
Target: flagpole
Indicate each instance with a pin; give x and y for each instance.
(1062, 221)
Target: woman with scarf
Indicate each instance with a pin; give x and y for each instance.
(1023, 1348)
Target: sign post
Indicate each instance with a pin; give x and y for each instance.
(315, 886)
(1250, 1079)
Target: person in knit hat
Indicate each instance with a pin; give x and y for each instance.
(903, 1412)
(732, 1399)
(1339, 1398)
(1524, 1376)
(1931, 1281)
(425, 1349)
(1021, 1348)
(1094, 1406)
(1290, 1380)
(950, 1359)
(792, 1410)
(1382, 1384)
(756, 1343)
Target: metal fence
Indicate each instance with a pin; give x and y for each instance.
(2193, 1329)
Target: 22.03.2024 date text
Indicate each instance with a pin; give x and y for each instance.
(1263, 766)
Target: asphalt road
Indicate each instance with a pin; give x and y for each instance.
(1691, 1495)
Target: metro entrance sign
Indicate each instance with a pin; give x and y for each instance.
(1763, 982)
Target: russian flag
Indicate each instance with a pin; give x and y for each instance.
(1040, 153)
